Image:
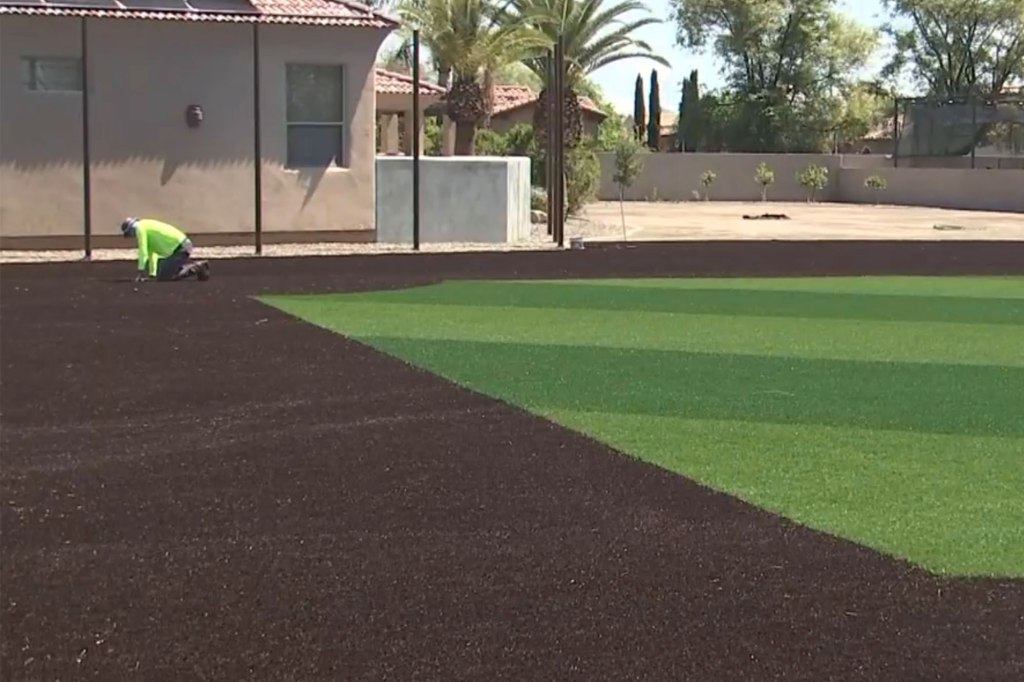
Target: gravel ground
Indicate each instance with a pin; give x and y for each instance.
(539, 241)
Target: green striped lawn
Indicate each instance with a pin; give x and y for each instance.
(889, 411)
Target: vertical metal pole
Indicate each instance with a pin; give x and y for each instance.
(549, 144)
(560, 137)
(257, 143)
(86, 155)
(416, 140)
(974, 128)
(896, 133)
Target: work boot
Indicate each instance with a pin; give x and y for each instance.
(203, 270)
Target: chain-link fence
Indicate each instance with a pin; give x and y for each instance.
(984, 132)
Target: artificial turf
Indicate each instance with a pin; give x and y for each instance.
(889, 411)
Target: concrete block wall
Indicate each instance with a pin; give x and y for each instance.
(971, 190)
(475, 199)
(674, 177)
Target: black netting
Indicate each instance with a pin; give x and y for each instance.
(992, 128)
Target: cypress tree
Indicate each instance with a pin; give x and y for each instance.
(654, 120)
(693, 114)
(681, 121)
(638, 109)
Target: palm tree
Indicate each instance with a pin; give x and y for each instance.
(596, 33)
(468, 39)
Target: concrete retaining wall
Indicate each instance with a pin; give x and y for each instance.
(970, 190)
(674, 177)
(462, 199)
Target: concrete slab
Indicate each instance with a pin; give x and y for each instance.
(665, 221)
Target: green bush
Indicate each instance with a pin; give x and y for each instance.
(706, 180)
(519, 139)
(814, 178)
(583, 172)
(432, 137)
(582, 168)
(490, 143)
(538, 199)
(765, 177)
(877, 183)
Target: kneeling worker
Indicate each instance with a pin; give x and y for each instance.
(165, 252)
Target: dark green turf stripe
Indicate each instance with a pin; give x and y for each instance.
(937, 398)
(747, 302)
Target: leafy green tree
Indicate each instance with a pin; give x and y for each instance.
(813, 178)
(863, 109)
(787, 63)
(609, 131)
(956, 48)
(628, 164)
(765, 177)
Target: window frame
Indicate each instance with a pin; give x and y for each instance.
(341, 157)
(30, 80)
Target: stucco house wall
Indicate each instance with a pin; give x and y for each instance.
(146, 161)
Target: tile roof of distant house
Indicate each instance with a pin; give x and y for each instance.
(394, 83)
(510, 97)
(302, 12)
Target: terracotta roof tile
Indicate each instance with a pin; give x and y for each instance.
(390, 82)
(510, 97)
(304, 12)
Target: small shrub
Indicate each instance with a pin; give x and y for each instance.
(765, 177)
(628, 164)
(582, 174)
(876, 183)
(490, 143)
(538, 199)
(519, 140)
(814, 178)
(706, 181)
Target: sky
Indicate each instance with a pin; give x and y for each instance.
(618, 80)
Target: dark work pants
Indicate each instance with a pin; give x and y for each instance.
(167, 269)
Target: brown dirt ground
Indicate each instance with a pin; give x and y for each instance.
(196, 487)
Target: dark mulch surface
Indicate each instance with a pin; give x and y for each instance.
(196, 487)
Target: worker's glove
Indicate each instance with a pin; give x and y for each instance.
(141, 277)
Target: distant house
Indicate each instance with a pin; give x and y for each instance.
(151, 105)
(667, 136)
(394, 110)
(515, 104)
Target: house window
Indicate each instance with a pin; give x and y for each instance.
(52, 74)
(315, 116)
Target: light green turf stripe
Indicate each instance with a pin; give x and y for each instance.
(926, 342)
(725, 302)
(956, 287)
(950, 503)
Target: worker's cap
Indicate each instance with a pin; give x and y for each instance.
(128, 224)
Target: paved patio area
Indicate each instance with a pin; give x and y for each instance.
(660, 221)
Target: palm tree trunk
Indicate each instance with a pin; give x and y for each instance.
(444, 73)
(488, 90)
(465, 138)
